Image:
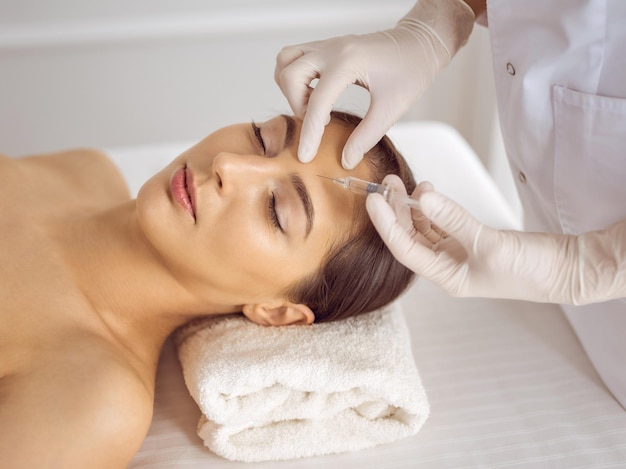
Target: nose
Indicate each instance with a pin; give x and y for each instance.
(236, 172)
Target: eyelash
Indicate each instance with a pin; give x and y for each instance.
(259, 137)
(271, 204)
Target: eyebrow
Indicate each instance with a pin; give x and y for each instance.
(291, 126)
(303, 193)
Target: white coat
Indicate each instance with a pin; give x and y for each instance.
(560, 73)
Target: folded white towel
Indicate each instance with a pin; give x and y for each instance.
(271, 393)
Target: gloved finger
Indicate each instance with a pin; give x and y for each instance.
(378, 119)
(403, 213)
(395, 182)
(451, 217)
(330, 86)
(289, 54)
(295, 80)
(285, 57)
(421, 222)
(422, 188)
(404, 247)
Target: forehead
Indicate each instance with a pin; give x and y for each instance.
(336, 209)
(328, 157)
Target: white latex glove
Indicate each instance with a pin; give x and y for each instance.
(395, 65)
(471, 259)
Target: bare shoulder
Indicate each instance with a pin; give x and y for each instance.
(119, 411)
(76, 413)
(8, 166)
(89, 170)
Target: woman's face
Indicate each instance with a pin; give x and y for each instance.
(238, 219)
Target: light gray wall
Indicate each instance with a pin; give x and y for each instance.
(109, 73)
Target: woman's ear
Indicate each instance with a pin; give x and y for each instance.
(279, 314)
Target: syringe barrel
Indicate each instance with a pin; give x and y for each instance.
(359, 186)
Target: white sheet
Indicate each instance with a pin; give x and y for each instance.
(508, 382)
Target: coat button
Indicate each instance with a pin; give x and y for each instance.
(510, 68)
(522, 177)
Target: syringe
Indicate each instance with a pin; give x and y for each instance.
(359, 186)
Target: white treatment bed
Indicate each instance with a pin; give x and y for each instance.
(508, 382)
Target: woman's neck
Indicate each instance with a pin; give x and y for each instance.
(137, 299)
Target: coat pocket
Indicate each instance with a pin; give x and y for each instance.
(590, 160)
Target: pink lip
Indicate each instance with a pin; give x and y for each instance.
(183, 190)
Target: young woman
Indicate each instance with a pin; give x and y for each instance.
(92, 283)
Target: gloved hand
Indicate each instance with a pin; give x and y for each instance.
(471, 259)
(395, 65)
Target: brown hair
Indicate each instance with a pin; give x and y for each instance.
(361, 275)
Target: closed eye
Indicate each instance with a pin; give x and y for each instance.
(258, 136)
(271, 205)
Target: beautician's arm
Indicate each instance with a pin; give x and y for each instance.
(479, 261)
(477, 6)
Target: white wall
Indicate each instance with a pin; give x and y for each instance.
(117, 72)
